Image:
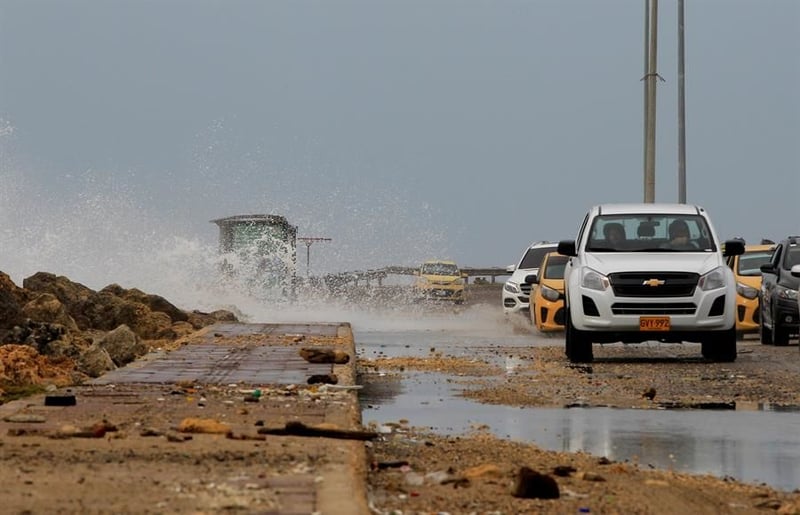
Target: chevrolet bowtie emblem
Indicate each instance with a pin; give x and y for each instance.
(654, 282)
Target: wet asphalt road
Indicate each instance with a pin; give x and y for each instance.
(753, 446)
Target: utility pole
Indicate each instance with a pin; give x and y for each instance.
(646, 94)
(681, 111)
(650, 112)
(308, 241)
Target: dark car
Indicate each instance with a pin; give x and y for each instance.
(779, 307)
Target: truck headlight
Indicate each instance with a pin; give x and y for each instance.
(594, 280)
(511, 288)
(712, 280)
(745, 291)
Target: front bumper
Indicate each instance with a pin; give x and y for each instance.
(548, 316)
(747, 315)
(690, 317)
(442, 293)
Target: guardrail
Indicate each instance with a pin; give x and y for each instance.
(380, 274)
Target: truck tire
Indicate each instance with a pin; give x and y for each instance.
(578, 344)
(721, 347)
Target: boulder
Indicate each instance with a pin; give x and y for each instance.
(199, 319)
(95, 361)
(11, 300)
(47, 308)
(154, 302)
(123, 345)
(71, 294)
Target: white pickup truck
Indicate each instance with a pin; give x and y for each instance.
(649, 272)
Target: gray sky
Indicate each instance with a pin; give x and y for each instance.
(403, 130)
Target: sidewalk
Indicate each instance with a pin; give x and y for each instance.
(200, 429)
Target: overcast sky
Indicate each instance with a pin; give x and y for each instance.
(402, 130)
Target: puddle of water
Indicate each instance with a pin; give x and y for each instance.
(751, 446)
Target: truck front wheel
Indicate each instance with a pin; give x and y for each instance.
(721, 347)
(578, 343)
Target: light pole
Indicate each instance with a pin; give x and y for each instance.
(681, 111)
(650, 111)
(308, 241)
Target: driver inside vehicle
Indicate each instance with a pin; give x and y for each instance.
(679, 236)
(615, 235)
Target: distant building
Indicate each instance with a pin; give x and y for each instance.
(260, 250)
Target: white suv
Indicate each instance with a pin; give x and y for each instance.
(652, 285)
(516, 292)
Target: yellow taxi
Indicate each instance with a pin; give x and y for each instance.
(547, 294)
(747, 271)
(440, 280)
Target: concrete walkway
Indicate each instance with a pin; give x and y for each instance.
(224, 394)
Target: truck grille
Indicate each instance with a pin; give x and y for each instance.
(653, 284)
(654, 308)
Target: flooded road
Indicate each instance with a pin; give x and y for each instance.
(754, 445)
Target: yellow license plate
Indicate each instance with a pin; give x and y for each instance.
(654, 323)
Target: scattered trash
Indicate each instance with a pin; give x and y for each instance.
(203, 425)
(25, 418)
(60, 400)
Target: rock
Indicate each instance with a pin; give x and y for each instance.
(530, 484)
(323, 379)
(23, 365)
(322, 355)
(123, 345)
(564, 470)
(199, 319)
(591, 476)
(95, 361)
(156, 303)
(59, 320)
(47, 308)
(11, 300)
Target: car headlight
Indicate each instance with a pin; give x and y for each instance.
(549, 293)
(745, 291)
(713, 279)
(786, 293)
(511, 288)
(594, 280)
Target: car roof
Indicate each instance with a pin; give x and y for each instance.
(648, 207)
(758, 248)
(538, 244)
(442, 261)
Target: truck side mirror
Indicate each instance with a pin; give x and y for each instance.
(567, 248)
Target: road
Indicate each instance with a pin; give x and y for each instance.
(452, 370)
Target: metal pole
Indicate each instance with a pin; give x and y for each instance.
(650, 172)
(308, 241)
(308, 259)
(681, 111)
(645, 95)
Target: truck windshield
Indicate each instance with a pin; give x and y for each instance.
(650, 233)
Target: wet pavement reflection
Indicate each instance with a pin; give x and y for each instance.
(758, 445)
